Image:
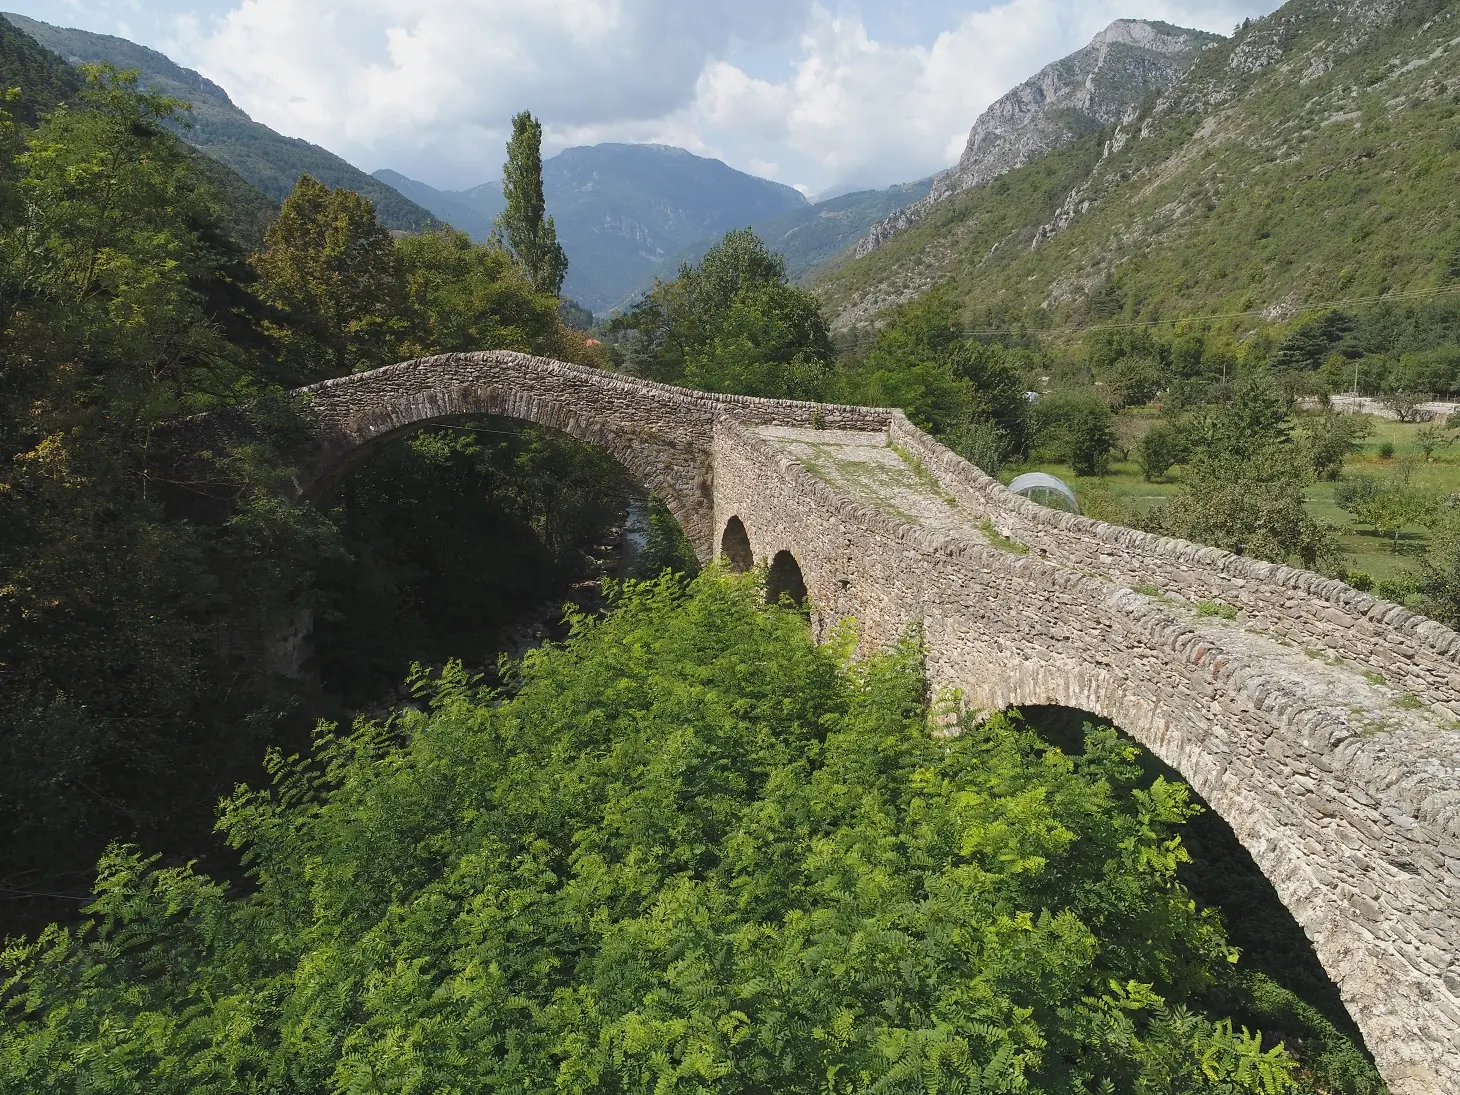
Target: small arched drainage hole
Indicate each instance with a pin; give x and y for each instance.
(735, 546)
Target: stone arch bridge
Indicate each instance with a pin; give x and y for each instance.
(1319, 721)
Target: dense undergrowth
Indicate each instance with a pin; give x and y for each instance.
(688, 850)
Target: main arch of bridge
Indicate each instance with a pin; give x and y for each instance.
(1345, 791)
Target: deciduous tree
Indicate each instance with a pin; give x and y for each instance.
(336, 276)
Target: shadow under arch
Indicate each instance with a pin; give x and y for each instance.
(1222, 875)
(467, 544)
(784, 579)
(640, 430)
(735, 546)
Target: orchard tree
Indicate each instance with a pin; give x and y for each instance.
(524, 225)
(1329, 439)
(1388, 507)
(1253, 505)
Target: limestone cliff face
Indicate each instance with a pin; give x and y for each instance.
(1097, 86)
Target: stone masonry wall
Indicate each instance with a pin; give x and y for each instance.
(1302, 607)
(1357, 834)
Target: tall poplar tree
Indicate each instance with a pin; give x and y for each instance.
(524, 224)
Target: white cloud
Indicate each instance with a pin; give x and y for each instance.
(438, 79)
(798, 89)
(858, 109)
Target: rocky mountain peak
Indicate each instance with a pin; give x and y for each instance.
(1095, 86)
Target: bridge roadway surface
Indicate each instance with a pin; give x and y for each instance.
(865, 467)
(1318, 721)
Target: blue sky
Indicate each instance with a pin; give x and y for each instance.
(813, 93)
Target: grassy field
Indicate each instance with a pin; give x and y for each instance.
(1123, 492)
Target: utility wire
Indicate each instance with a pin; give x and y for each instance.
(476, 429)
(20, 895)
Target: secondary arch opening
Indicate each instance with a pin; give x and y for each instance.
(735, 546)
(784, 579)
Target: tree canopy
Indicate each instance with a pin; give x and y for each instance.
(690, 850)
(732, 324)
(140, 615)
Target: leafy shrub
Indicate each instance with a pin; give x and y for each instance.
(1161, 449)
(691, 851)
(982, 443)
(1430, 437)
(1398, 590)
(1439, 577)
(666, 547)
(1135, 382)
(1329, 439)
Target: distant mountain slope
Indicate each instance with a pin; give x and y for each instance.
(1124, 64)
(45, 80)
(472, 210)
(621, 210)
(810, 237)
(268, 160)
(1312, 156)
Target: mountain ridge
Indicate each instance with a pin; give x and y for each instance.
(1313, 156)
(621, 210)
(267, 159)
(808, 239)
(1065, 100)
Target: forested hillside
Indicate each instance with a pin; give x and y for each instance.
(1309, 158)
(1126, 63)
(42, 79)
(141, 653)
(269, 161)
